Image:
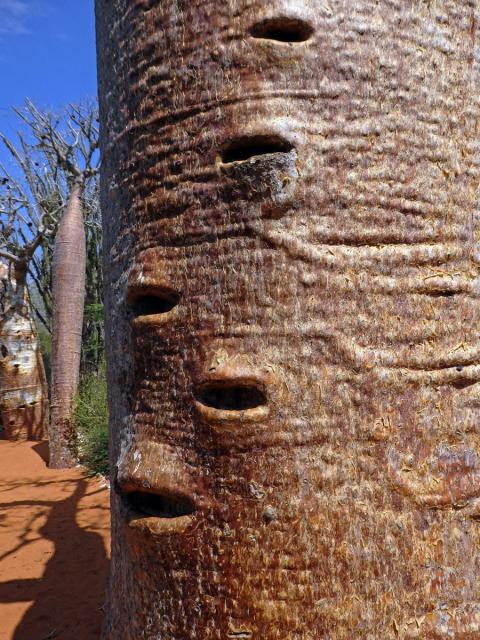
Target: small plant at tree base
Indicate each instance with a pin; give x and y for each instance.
(91, 422)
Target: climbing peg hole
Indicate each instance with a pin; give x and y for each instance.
(443, 293)
(463, 383)
(270, 513)
(231, 396)
(154, 303)
(153, 505)
(282, 29)
(248, 147)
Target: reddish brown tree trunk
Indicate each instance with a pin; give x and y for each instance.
(23, 385)
(68, 301)
(290, 196)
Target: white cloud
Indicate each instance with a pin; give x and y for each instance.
(14, 15)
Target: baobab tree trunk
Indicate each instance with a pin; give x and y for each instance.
(68, 299)
(290, 196)
(23, 385)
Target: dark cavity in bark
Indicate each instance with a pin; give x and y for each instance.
(463, 383)
(153, 303)
(248, 147)
(231, 396)
(282, 29)
(153, 505)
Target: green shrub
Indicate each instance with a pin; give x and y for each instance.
(45, 343)
(91, 421)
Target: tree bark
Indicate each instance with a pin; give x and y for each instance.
(290, 200)
(23, 385)
(68, 300)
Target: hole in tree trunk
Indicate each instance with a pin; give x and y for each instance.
(443, 293)
(154, 303)
(4, 351)
(231, 396)
(282, 30)
(154, 505)
(463, 383)
(253, 146)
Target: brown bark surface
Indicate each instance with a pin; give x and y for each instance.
(23, 384)
(68, 299)
(290, 196)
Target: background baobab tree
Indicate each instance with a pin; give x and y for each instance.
(23, 386)
(73, 148)
(290, 196)
(54, 179)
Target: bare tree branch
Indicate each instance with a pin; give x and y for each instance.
(49, 154)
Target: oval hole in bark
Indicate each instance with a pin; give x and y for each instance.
(248, 147)
(154, 303)
(282, 29)
(443, 293)
(154, 505)
(4, 351)
(463, 383)
(235, 396)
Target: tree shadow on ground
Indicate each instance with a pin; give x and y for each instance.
(68, 598)
(41, 449)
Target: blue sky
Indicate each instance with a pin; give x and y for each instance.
(47, 53)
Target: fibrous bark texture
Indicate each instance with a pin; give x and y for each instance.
(290, 195)
(68, 298)
(23, 385)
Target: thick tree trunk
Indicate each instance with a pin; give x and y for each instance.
(23, 385)
(68, 299)
(290, 196)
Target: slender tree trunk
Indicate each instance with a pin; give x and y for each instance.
(23, 385)
(290, 197)
(68, 301)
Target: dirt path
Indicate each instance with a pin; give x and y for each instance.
(54, 545)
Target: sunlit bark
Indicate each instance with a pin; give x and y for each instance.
(23, 386)
(290, 194)
(68, 300)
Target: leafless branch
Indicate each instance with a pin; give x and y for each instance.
(49, 153)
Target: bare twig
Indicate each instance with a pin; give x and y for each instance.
(50, 153)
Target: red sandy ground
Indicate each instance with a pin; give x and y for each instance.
(54, 546)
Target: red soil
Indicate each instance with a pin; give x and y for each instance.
(54, 547)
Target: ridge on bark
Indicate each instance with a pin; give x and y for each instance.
(295, 437)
